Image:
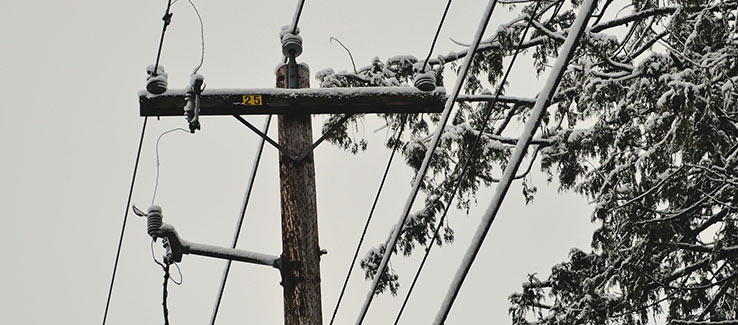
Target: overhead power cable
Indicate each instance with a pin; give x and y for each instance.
(242, 213)
(537, 113)
(368, 220)
(296, 16)
(465, 166)
(167, 19)
(435, 38)
(295, 21)
(426, 160)
(125, 219)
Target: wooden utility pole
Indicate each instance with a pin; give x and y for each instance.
(299, 263)
(300, 250)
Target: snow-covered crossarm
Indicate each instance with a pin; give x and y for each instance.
(180, 246)
(308, 100)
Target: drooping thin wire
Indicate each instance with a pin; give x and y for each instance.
(426, 160)
(125, 219)
(353, 64)
(457, 183)
(167, 19)
(156, 180)
(566, 52)
(239, 223)
(435, 38)
(368, 220)
(202, 37)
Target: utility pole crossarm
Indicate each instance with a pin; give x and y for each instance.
(306, 101)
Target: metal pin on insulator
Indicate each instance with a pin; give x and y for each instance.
(291, 44)
(156, 82)
(425, 81)
(154, 220)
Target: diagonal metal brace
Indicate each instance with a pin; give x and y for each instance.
(286, 152)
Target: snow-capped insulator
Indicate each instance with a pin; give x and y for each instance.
(192, 98)
(156, 82)
(154, 221)
(291, 43)
(425, 81)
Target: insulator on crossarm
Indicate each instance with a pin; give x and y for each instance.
(192, 101)
(291, 44)
(154, 221)
(156, 82)
(425, 81)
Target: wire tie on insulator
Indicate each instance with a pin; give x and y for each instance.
(192, 107)
(154, 221)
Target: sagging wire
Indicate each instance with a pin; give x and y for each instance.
(202, 38)
(368, 219)
(125, 219)
(156, 180)
(465, 166)
(347, 51)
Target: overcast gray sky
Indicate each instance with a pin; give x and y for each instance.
(69, 127)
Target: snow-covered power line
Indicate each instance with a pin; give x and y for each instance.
(295, 20)
(539, 109)
(426, 160)
(435, 38)
(167, 19)
(239, 223)
(296, 16)
(465, 166)
(125, 219)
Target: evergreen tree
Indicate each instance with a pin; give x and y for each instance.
(644, 124)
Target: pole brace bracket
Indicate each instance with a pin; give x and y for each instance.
(287, 153)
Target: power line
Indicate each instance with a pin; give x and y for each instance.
(125, 219)
(368, 220)
(465, 166)
(239, 223)
(295, 19)
(296, 16)
(167, 19)
(565, 55)
(426, 160)
(435, 38)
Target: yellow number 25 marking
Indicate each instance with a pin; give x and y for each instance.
(252, 100)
